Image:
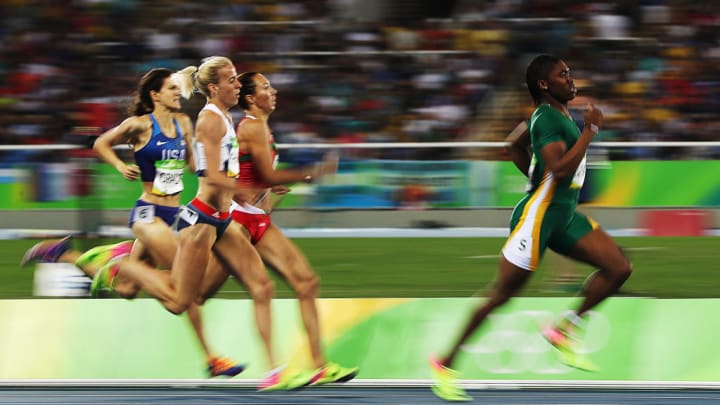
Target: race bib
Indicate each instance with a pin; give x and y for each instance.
(233, 159)
(531, 169)
(188, 215)
(144, 214)
(200, 159)
(168, 177)
(579, 178)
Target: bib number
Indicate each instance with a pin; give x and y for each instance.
(579, 178)
(188, 215)
(168, 177)
(233, 161)
(200, 159)
(144, 214)
(531, 169)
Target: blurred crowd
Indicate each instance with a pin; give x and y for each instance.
(369, 70)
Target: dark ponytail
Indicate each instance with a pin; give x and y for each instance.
(247, 80)
(151, 81)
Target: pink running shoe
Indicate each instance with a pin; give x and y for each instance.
(566, 342)
(446, 384)
(281, 379)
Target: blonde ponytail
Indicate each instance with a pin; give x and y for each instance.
(186, 81)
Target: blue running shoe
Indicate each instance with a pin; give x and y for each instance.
(222, 366)
(47, 251)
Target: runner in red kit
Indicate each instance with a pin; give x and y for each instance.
(258, 178)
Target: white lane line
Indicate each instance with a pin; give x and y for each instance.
(495, 256)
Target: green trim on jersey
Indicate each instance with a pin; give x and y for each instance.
(549, 125)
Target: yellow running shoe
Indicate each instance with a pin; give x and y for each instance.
(333, 373)
(446, 384)
(567, 342)
(103, 284)
(281, 379)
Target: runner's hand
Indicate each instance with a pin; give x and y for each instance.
(593, 116)
(130, 172)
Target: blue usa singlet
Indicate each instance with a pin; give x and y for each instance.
(162, 160)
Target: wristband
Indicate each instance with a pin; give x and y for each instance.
(594, 128)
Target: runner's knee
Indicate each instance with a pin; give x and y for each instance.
(179, 305)
(200, 300)
(263, 290)
(205, 295)
(626, 269)
(176, 308)
(127, 290)
(623, 268)
(307, 287)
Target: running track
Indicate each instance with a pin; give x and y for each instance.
(351, 393)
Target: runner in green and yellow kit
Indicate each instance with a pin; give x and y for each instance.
(551, 152)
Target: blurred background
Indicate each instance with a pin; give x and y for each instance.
(367, 71)
(372, 73)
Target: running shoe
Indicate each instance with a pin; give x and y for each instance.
(222, 366)
(103, 284)
(566, 341)
(281, 379)
(333, 373)
(446, 384)
(271, 382)
(47, 251)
